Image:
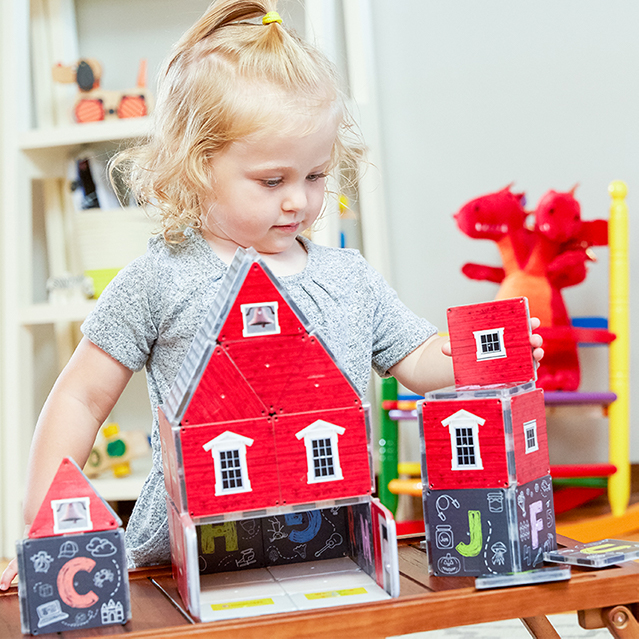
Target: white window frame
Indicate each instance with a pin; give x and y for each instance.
(498, 354)
(531, 426)
(229, 441)
(318, 430)
(464, 419)
(245, 308)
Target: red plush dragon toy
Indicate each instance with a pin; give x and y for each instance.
(538, 262)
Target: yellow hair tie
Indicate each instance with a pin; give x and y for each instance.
(270, 17)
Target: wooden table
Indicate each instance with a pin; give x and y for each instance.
(607, 597)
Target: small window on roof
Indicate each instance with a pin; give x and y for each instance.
(71, 515)
(260, 319)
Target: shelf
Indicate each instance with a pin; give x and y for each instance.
(46, 313)
(551, 398)
(120, 488)
(400, 415)
(575, 398)
(78, 134)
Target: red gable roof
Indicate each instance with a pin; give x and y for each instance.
(257, 369)
(72, 505)
(259, 357)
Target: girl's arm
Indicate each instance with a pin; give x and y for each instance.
(430, 366)
(427, 368)
(80, 401)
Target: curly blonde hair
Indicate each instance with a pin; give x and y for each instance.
(225, 79)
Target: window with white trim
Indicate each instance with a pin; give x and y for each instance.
(490, 344)
(463, 428)
(530, 434)
(229, 461)
(322, 452)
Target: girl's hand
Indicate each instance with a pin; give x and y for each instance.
(9, 573)
(536, 342)
(12, 569)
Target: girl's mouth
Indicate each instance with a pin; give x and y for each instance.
(289, 228)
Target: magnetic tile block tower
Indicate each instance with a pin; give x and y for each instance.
(265, 444)
(488, 503)
(72, 567)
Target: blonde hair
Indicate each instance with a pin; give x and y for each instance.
(213, 91)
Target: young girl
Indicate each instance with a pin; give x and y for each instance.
(248, 123)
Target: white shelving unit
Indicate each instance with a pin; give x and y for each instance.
(36, 142)
(31, 155)
(66, 138)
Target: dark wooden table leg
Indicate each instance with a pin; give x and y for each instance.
(540, 628)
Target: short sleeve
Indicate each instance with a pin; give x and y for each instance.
(121, 324)
(397, 331)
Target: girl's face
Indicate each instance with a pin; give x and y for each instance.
(268, 189)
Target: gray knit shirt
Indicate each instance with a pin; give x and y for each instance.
(149, 314)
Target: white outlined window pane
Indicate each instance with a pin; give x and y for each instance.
(465, 445)
(490, 343)
(229, 460)
(323, 458)
(231, 469)
(463, 428)
(322, 451)
(530, 432)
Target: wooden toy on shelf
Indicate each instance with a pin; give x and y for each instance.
(266, 452)
(72, 567)
(488, 503)
(114, 450)
(93, 103)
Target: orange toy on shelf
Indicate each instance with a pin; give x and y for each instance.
(93, 103)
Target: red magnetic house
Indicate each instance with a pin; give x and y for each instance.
(263, 416)
(470, 446)
(266, 444)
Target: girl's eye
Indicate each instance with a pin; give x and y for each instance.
(313, 177)
(272, 182)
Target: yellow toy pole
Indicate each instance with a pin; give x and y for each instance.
(619, 355)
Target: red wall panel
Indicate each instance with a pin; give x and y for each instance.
(492, 446)
(510, 314)
(526, 407)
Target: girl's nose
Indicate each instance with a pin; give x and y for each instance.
(295, 199)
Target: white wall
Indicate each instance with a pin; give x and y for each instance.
(473, 96)
(476, 95)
